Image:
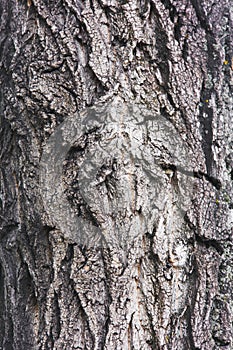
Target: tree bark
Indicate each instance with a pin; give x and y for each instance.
(168, 283)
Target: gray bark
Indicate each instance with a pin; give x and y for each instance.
(170, 285)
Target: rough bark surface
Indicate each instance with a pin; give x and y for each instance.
(172, 286)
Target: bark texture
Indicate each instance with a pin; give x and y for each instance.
(171, 287)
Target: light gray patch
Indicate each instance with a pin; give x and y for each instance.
(125, 177)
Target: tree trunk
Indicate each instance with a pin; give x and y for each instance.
(116, 175)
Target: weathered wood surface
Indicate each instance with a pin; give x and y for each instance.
(170, 286)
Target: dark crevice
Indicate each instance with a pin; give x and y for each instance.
(52, 69)
(153, 342)
(170, 99)
(177, 28)
(74, 195)
(171, 8)
(206, 118)
(67, 261)
(185, 49)
(57, 317)
(192, 227)
(101, 89)
(231, 175)
(211, 73)
(195, 174)
(209, 243)
(144, 7)
(161, 45)
(7, 228)
(92, 6)
(7, 47)
(215, 182)
(9, 334)
(82, 313)
(154, 257)
(25, 293)
(108, 301)
(2, 305)
(188, 315)
(197, 5)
